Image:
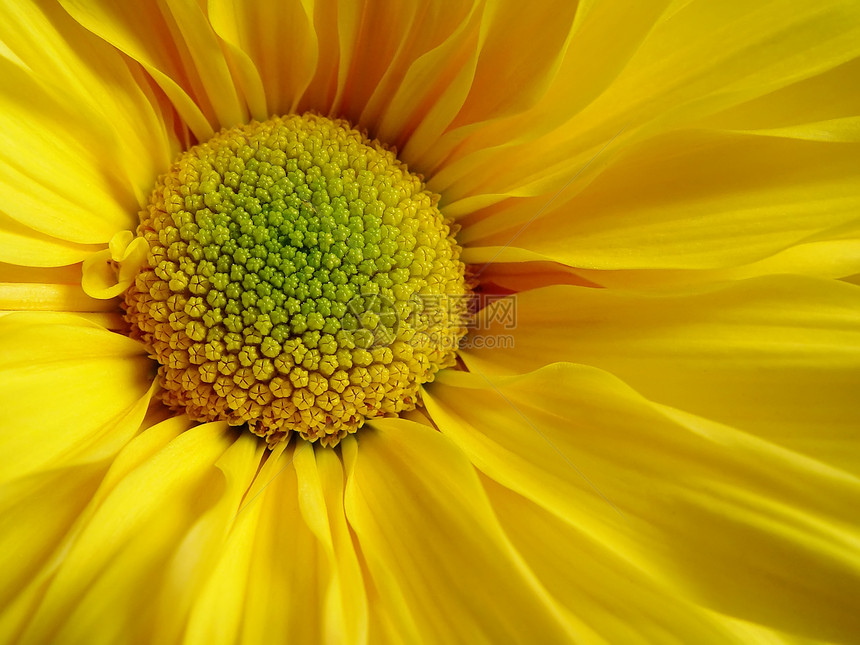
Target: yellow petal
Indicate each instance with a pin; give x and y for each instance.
(143, 539)
(483, 163)
(699, 58)
(420, 36)
(704, 512)
(175, 43)
(275, 47)
(707, 200)
(616, 600)
(286, 563)
(72, 392)
(22, 245)
(205, 579)
(37, 511)
(321, 489)
(774, 355)
(433, 89)
(49, 297)
(108, 273)
(83, 137)
(793, 111)
(831, 254)
(70, 274)
(422, 522)
(47, 508)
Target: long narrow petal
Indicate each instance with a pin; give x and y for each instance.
(321, 492)
(431, 542)
(21, 245)
(83, 138)
(695, 59)
(690, 200)
(285, 561)
(72, 391)
(175, 43)
(775, 355)
(702, 511)
(163, 542)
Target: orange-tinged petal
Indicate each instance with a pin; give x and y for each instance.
(177, 46)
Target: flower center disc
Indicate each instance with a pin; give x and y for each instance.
(299, 278)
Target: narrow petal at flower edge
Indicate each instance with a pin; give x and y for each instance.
(725, 179)
(124, 542)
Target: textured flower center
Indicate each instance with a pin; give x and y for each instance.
(299, 278)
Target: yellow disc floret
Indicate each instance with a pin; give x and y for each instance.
(299, 278)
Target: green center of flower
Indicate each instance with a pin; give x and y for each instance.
(299, 278)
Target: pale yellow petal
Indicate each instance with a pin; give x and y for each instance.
(72, 391)
(422, 521)
(705, 512)
(141, 542)
(775, 355)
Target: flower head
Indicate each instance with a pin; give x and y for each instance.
(429, 322)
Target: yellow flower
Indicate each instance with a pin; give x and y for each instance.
(649, 433)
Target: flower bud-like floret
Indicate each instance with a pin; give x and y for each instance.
(299, 278)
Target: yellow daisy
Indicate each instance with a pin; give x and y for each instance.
(462, 321)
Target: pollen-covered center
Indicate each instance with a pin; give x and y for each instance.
(299, 278)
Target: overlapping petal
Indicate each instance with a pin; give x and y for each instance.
(691, 200)
(72, 392)
(443, 567)
(775, 355)
(83, 136)
(175, 43)
(89, 589)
